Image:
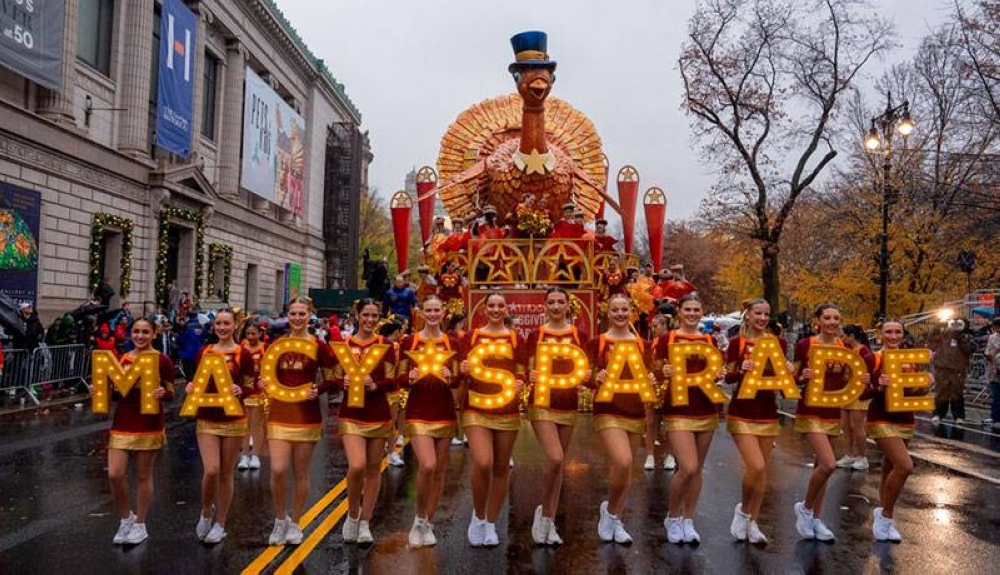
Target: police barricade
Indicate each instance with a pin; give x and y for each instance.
(977, 382)
(60, 364)
(18, 373)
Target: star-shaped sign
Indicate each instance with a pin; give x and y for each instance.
(535, 163)
(500, 263)
(430, 359)
(562, 261)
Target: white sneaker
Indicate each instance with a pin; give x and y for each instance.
(822, 532)
(539, 527)
(804, 521)
(935, 420)
(621, 536)
(456, 441)
(879, 527)
(254, 462)
(365, 533)
(400, 440)
(986, 422)
(511, 464)
(293, 535)
(477, 531)
(650, 463)
(216, 535)
(203, 527)
(351, 527)
(278, 533)
(894, 535)
(416, 537)
(490, 537)
(670, 463)
(429, 540)
(675, 529)
(860, 464)
(552, 536)
(845, 462)
(741, 521)
(124, 526)
(690, 535)
(244, 463)
(137, 534)
(395, 460)
(606, 525)
(754, 535)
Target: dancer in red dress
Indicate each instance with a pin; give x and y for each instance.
(253, 403)
(657, 327)
(219, 435)
(137, 437)
(365, 430)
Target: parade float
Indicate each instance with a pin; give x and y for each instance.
(523, 177)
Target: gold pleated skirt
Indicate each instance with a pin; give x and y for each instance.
(567, 418)
(810, 425)
(238, 428)
(758, 428)
(368, 430)
(506, 422)
(294, 433)
(886, 430)
(137, 441)
(431, 429)
(636, 426)
(695, 424)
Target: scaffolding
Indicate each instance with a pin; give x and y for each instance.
(346, 155)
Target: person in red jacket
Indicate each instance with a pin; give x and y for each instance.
(137, 437)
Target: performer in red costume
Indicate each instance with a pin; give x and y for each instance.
(672, 285)
(603, 242)
(138, 437)
(458, 240)
(569, 227)
(253, 402)
(365, 430)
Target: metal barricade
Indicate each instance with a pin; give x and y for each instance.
(977, 382)
(40, 371)
(18, 373)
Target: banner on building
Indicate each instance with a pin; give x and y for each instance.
(274, 158)
(20, 215)
(293, 281)
(31, 40)
(175, 100)
(526, 309)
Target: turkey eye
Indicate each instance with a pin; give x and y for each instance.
(517, 77)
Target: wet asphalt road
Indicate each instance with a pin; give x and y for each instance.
(56, 514)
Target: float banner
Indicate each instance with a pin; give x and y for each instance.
(400, 207)
(426, 182)
(20, 214)
(527, 309)
(31, 40)
(628, 194)
(654, 204)
(175, 100)
(274, 157)
(293, 281)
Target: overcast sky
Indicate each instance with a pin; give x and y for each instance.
(411, 66)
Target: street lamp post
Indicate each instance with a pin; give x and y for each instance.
(879, 138)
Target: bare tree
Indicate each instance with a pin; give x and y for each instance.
(979, 25)
(762, 81)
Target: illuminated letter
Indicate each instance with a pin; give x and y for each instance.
(767, 350)
(430, 360)
(269, 369)
(356, 371)
(145, 370)
(820, 357)
(501, 377)
(703, 380)
(626, 353)
(212, 367)
(894, 362)
(548, 353)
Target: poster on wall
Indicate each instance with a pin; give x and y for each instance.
(175, 100)
(20, 216)
(293, 281)
(274, 158)
(31, 40)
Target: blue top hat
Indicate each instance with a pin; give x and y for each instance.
(531, 49)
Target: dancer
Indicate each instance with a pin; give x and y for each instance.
(753, 423)
(491, 432)
(253, 402)
(619, 423)
(690, 428)
(365, 430)
(819, 424)
(852, 415)
(892, 431)
(553, 425)
(137, 437)
(657, 327)
(392, 331)
(219, 435)
(430, 415)
(294, 429)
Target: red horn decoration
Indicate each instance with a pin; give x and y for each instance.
(628, 193)
(400, 206)
(654, 203)
(607, 170)
(427, 180)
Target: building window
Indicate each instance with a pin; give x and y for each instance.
(211, 83)
(94, 41)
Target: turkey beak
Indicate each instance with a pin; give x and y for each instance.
(538, 87)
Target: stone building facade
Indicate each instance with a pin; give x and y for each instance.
(88, 151)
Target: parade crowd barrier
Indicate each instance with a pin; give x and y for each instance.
(36, 372)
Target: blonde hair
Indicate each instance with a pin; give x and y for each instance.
(745, 321)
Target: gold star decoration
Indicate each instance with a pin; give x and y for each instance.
(535, 163)
(430, 359)
(562, 261)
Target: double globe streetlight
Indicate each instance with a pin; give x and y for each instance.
(879, 138)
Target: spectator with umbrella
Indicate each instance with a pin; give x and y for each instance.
(33, 330)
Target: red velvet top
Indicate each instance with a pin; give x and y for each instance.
(376, 409)
(836, 377)
(239, 361)
(257, 355)
(559, 399)
(699, 405)
(128, 415)
(604, 243)
(298, 370)
(628, 405)
(565, 229)
(430, 399)
(514, 365)
(763, 408)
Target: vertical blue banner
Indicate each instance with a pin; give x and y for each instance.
(176, 82)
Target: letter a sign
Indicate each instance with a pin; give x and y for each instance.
(175, 94)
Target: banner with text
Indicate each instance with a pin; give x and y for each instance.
(20, 215)
(274, 158)
(526, 309)
(31, 40)
(175, 100)
(293, 281)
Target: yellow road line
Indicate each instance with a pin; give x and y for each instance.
(318, 534)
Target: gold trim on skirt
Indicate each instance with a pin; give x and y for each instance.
(695, 424)
(137, 441)
(811, 425)
(395, 398)
(758, 428)
(252, 401)
(437, 430)
(567, 418)
(496, 422)
(366, 429)
(857, 405)
(887, 430)
(636, 426)
(294, 433)
(237, 428)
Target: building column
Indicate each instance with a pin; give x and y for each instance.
(136, 57)
(205, 19)
(58, 106)
(230, 140)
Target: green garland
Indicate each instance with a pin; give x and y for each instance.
(100, 222)
(161, 253)
(226, 253)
